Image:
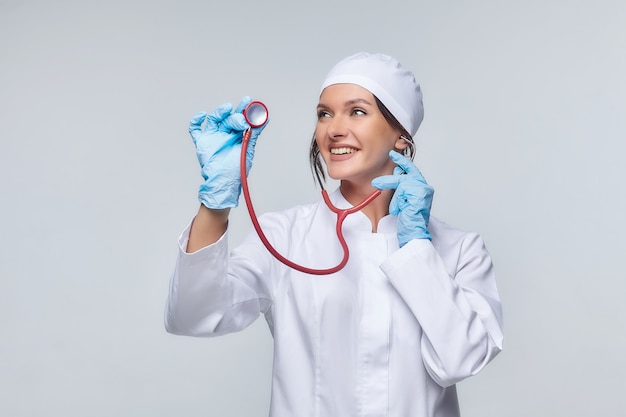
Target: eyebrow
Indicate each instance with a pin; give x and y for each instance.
(348, 103)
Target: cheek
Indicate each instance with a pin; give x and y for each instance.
(385, 135)
(388, 143)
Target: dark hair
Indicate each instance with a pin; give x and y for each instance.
(314, 151)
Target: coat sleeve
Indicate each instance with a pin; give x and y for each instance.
(458, 310)
(206, 298)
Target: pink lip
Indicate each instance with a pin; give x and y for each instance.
(343, 157)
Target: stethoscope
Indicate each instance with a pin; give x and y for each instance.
(256, 114)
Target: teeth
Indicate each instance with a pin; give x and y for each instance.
(342, 151)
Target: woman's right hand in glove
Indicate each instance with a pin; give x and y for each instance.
(218, 147)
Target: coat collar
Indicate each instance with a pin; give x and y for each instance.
(358, 220)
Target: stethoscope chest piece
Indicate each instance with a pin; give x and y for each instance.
(256, 114)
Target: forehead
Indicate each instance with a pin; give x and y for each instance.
(338, 94)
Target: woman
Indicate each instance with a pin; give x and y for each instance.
(414, 311)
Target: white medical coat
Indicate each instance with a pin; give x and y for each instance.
(388, 335)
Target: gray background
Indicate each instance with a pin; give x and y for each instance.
(523, 141)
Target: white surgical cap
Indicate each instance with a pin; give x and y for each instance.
(384, 77)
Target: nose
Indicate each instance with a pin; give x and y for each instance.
(337, 127)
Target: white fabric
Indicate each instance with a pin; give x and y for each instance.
(384, 77)
(389, 335)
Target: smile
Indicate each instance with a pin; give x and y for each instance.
(342, 151)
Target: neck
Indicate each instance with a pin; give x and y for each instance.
(375, 210)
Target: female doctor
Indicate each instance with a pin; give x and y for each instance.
(414, 311)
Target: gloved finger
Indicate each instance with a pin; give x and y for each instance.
(235, 123)
(386, 182)
(217, 116)
(410, 193)
(195, 125)
(242, 104)
(256, 131)
(407, 165)
(393, 204)
(401, 199)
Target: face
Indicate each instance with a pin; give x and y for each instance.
(353, 136)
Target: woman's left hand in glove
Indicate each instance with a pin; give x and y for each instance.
(411, 201)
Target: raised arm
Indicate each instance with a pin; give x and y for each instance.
(207, 227)
(218, 137)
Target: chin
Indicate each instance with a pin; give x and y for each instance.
(334, 176)
(338, 175)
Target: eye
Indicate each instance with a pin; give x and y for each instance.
(322, 114)
(358, 112)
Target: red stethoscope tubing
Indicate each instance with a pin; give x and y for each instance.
(341, 216)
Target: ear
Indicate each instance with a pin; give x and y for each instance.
(401, 144)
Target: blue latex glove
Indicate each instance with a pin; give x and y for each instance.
(411, 201)
(218, 147)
